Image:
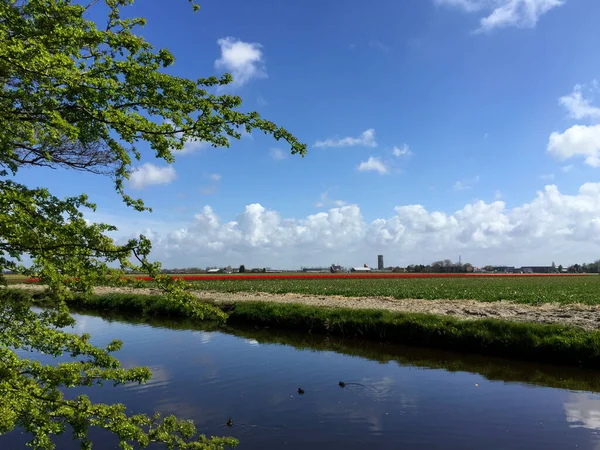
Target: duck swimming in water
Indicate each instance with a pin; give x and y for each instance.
(341, 384)
(300, 391)
(230, 422)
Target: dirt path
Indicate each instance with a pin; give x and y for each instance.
(583, 316)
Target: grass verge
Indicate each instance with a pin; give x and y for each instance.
(556, 344)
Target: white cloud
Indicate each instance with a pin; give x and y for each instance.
(244, 60)
(546, 177)
(401, 151)
(579, 140)
(189, 146)
(553, 226)
(215, 176)
(148, 174)
(373, 165)
(366, 139)
(192, 147)
(463, 185)
(498, 195)
(324, 201)
(577, 106)
(505, 13)
(567, 168)
(277, 154)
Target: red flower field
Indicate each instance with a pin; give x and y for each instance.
(317, 276)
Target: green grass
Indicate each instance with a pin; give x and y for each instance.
(530, 290)
(528, 341)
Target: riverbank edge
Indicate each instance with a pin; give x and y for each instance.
(551, 343)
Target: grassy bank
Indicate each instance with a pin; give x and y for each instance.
(533, 342)
(534, 290)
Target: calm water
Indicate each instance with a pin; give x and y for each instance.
(395, 397)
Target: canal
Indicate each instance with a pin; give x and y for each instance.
(393, 397)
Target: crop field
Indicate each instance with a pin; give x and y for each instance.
(526, 289)
(520, 289)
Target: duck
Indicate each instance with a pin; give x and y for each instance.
(230, 422)
(341, 384)
(300, 391)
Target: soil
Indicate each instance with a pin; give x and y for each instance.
(583, 316)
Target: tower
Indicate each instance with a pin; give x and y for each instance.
(379, 262)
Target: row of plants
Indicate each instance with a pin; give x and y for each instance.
(527, 290)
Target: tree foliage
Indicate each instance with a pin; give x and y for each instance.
(78, 95)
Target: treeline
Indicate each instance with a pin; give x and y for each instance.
(585, 268)
(445, 266)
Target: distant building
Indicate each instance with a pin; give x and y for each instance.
(214, 271)
(360, 269)
(504, 269)
(316, 269)
(380, 262)
(537, 269)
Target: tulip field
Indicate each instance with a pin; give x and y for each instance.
(521, 288)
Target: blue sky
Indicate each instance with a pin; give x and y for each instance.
(429, 127)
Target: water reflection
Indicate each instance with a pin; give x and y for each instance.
(583, 410)
(416, 358)
(393, 397)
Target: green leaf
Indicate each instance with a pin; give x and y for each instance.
(81, 95)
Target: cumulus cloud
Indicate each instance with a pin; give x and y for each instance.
(553, 226)
(244, 60)
(579, 140)
(577, 106)
(148, 174)
(505, 13)
(401, 151)
(366, 139)
(373, 165)
(277, 154)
